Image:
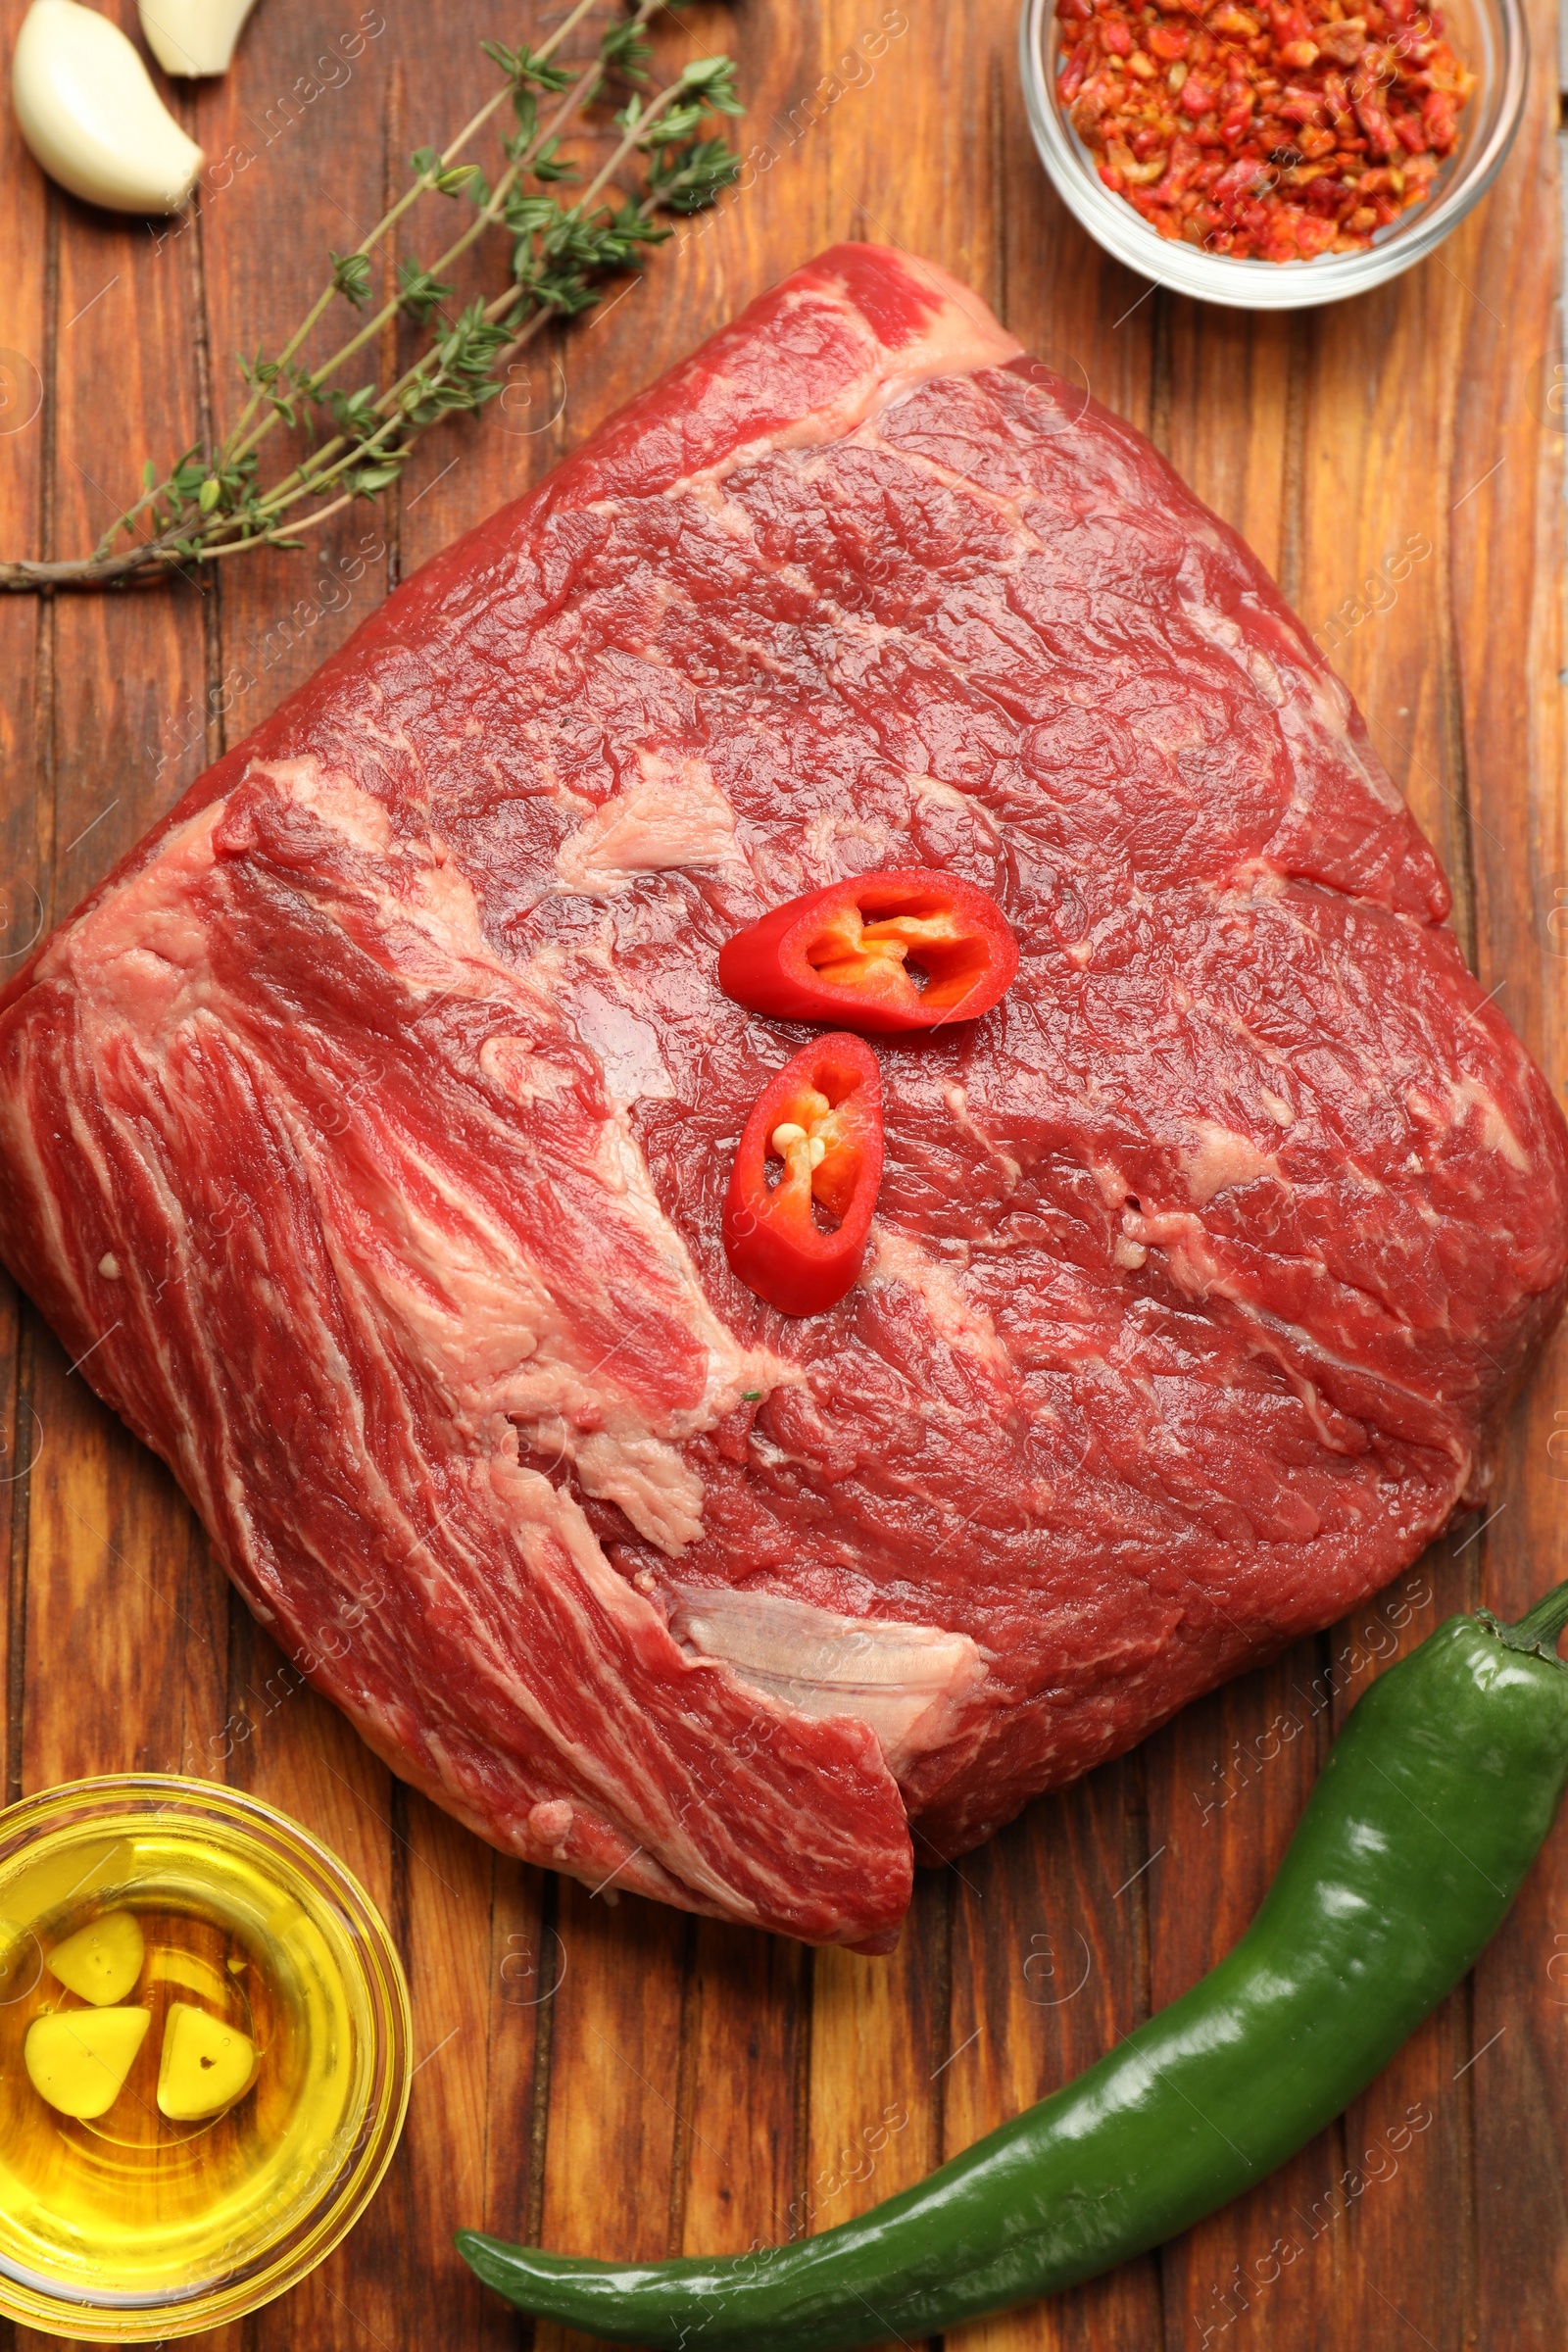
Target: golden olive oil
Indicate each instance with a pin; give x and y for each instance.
(134, 2210)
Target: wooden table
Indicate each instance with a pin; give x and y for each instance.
(617, 2076)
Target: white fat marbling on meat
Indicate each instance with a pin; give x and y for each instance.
(629, 1048)
(1182, 1238)
(937, 794)
(832, 845)
(355, 813)
(142, 943)
(1221, 1160)
(1264, 676)
(957, 1098)
(1469, 1097)
(677, 816)
(1191, 1261)
(955, 1316)
(512, 1064)
(906, 1682)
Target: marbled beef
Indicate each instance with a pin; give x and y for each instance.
(366, 1132)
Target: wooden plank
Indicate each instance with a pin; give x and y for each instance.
(125, 389)
(121, 1574)
(477, 2009)
(746, 2033)
(1050, 1969)
(1218, 366)
(880, 2055)
(615, 2118)
(1378, 559)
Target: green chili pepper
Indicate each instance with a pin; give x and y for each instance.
(1429, 1810)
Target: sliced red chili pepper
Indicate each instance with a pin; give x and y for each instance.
(843, 953)
(821, 1118)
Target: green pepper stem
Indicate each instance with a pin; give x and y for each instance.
(1541, 1628)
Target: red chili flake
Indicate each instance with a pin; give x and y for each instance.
(1257, 129)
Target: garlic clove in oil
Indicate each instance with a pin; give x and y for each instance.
(87, 109)
(193, 37)
(206, 2065)
(78, 2059)
(102, 1961)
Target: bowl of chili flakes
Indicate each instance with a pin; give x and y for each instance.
(1272, 154)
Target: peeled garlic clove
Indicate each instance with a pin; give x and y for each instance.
(205, 2064)
(88, 110)
(78, 2059)
(194, 36)
(102, 1961)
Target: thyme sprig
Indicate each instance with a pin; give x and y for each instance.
(212, 502)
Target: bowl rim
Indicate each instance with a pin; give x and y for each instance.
(76, 1807)
(1233, 284)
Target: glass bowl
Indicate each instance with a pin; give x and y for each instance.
(144, 2218)
(1489, 34)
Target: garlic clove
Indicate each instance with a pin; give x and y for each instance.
(205, 2065)
(87, 109)
(193, 37)
(78, 2059)
(102, 1961)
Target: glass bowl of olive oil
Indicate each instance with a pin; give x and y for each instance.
(203, 2056)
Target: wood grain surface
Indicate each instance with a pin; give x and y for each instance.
(612, 2075)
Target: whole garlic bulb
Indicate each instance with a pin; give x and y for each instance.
(193, 37)
(88, 110)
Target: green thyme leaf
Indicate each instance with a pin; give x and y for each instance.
(419, 293)
(523, 66)
(351, 276)
(546, 165)
(624, 51)
(686, 179)
(715, 78)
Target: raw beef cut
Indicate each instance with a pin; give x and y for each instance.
(366, 1132)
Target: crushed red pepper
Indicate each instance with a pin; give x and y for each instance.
(1270, 131)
